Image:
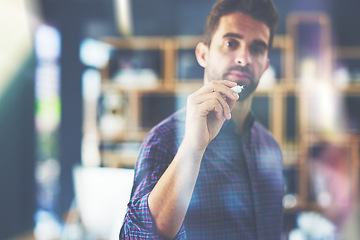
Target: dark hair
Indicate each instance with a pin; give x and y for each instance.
(261, 10)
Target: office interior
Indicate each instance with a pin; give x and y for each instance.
(83, 81)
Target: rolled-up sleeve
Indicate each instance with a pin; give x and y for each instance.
(156, 153)
(138, 222)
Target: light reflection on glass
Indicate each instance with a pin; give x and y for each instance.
(47, 120)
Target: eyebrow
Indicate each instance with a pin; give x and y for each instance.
(235, 35)
(260, 43)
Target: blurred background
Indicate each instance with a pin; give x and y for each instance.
(83, 81)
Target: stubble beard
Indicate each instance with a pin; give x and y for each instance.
(246, 92)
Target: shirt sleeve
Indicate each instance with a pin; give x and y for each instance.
(155, 156)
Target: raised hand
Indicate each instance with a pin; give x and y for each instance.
(207, 110)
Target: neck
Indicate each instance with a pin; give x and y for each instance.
(240, 112)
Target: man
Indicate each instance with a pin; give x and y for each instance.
(212, 171)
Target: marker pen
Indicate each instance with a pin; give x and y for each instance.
(238, 88)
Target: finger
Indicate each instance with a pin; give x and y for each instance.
(230, 97)
(226, 103)
(222, 86)
(212, 106)
(214, 99)
(225, 89)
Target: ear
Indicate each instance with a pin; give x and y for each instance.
(201, 52)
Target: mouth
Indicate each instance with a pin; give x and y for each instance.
(239, 77)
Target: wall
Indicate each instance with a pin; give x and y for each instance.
(17, 157)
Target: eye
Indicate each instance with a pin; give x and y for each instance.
(231, 44)
(257, 50)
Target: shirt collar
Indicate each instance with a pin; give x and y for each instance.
(230, 125)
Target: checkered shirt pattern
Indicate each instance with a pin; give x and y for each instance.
(238, 193)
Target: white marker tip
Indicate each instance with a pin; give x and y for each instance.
(238, 88)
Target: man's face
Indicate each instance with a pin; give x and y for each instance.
(238, 51)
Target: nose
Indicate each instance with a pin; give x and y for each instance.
(242, 58)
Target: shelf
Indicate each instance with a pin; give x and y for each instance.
(118, 159)
(283, 107)
(135, 43)
(111, 86)
(346, 52)
(351, 89)
(125, 136)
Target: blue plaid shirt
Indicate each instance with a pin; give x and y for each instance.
(238, 193)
